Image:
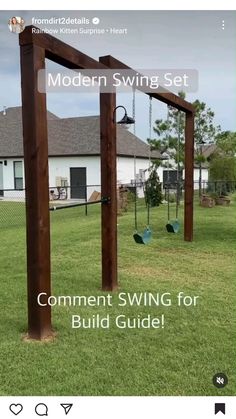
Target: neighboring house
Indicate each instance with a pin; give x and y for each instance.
(208, 151)
(196, 175)
(172, 175)
(74, 154)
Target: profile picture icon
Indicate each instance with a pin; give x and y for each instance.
(16, 24)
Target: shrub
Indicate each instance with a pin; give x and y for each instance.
(152, 189)
(222, 175)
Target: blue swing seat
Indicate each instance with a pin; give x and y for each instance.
(143, 238)
(173, 227)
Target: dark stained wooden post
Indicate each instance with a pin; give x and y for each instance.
(189, 169)
(36, 181)
(108, 189)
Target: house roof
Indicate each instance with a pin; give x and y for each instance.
(208, 150)
(68, 137)
(14, 115)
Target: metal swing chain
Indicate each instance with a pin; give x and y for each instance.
(135, 170)
(168, 164)
(150, 119)
(178, 167)
(149, 166)
(134, 112)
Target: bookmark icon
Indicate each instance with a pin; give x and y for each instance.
(219, 408)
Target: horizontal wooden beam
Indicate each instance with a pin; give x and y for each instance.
(57, 51)
(67, 56)
(167, 97)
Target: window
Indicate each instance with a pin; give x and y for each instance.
(18, 175)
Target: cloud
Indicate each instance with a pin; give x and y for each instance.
(155, 40)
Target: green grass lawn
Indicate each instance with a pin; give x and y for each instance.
(179, 359)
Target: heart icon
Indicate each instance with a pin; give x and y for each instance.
(16, 408)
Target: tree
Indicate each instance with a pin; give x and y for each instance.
(167, 134)
(223, 164)
(205, 131)
(226, 143)
(153, 195)
(223, 174)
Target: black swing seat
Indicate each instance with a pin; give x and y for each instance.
(143, 238)
(173, 227)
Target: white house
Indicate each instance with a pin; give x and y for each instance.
(74, 155)
(207, 151)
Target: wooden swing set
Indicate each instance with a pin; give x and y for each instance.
(35, 48)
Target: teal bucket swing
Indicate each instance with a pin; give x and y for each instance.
(143, 238)
(146, 236)
(173, 226)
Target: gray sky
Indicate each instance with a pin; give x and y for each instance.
(155, 40)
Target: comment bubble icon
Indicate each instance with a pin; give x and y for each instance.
(41, 409)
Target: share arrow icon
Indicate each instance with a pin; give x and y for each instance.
(66, 407)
